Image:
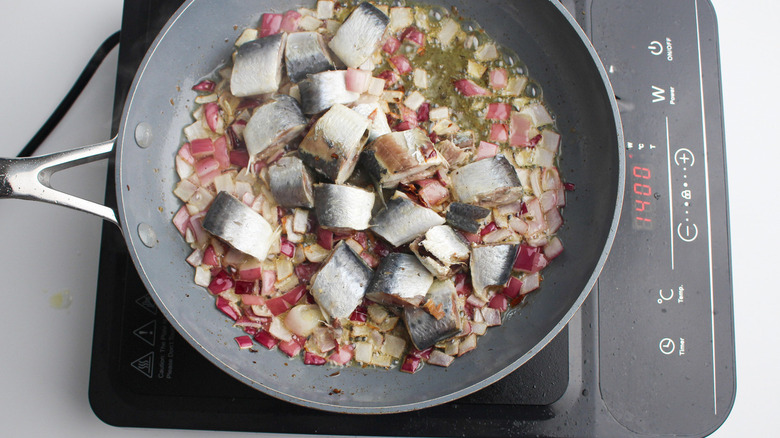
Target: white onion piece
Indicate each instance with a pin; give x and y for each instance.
(363, 352)
(553, 248)
(279, 331)
(492, 316)
(393, 346)
(303, 319)
(196, 258)
(467, 344)
(440, 359)
(530, 283)
(203, 275)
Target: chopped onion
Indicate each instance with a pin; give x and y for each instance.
(266, 339)
(401, 64)
(486, 150)
(290, 21)
(440, 359)
(467, 344)
(270, 24)
(530, 283)
(227, 308)
(244, 342)
(498, 78)
(467, 87)
(303, 319)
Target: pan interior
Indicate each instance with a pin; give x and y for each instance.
(200, 37)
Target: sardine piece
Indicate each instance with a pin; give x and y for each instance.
(491, 266)
(377, 117)
(258, 66)
(403, 221)
(488, 182)
(321, 91)
(341, 282)
(440, 249)
(234, 222)
(343, 208)
(291, 183)
(332, 147)
(399, 280)
(360, 35)
(272, 126)
(306, 54)
(424, 329)
(401, 157)
(466, 217)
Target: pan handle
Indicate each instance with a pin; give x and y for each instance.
(30, 178)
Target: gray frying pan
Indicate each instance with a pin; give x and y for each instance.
(200, 37)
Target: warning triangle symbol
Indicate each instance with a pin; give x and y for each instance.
(145, 364)
(147, 303)
(147, 332)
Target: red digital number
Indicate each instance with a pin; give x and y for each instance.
(641, 172)
(642, 189)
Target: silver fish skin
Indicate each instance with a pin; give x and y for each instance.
(340, 284)
(377, 117)
(424, 329)
(360, 35)
(234, 222)
(258, 66)
(321, 91)
(491, 266)
(306, 54)
(332, 147)
(403, 221)
(401, 157)
(273, 125)
(343, 208)
(291, 183)
(488, 182)
(440, 249)
(399, 280)
(466, 217)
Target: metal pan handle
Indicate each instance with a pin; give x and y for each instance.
(30, 178)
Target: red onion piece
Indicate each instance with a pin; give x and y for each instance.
(220, 282)
(266, 339)
(553, 249)
(342, 356)
(270, 24)
(357, 80)
(499, 302)
(305, 271)
(206, 166)
(499, 133)
(325, 238)
(244, 342)
(287, 248)
(467, 87)
(210, 256)
(360, 314)
(498, 78)
(413, 35)
(370, 260)
(290, 21)
(221, 153)
(213, 119)
(182, 220)
(486, 150)
(239, 158)
(268, 279)
(519, 129)
(423, 112)
(313, 359)
(291, 348)
(433, 192)
(225, 306)
(525, 258)
(390, 77)
(253, 300)
(204, 85)
(391, 45)
(492, 316)
(554, 220)
(401, 64)
(277, 305)
(512, 288)
(202, 147)
(489, 228)
(440, 359)
(294, 295)
(411, 364)
(186, 153)
(498, 111)
(246, 288)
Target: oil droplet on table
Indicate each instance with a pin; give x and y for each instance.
(61, 300)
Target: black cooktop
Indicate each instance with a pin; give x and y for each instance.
(651, 352)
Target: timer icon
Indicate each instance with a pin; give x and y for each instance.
(666, 346)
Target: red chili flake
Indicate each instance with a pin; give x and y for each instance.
(534, 141)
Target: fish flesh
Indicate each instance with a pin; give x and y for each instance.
(306, 54)
(343, 208)
(291, 183)
(403, 221)
(378, 118)
(440, 249)
(424, 329)
(258, 66)
(341, 282)
(454, 155)
(321, 91)
(272, 126)
(491, 266)
(360, 35)
(401, 157)
(399, 280)
(466, 217)
(241, 227)
(332, 147)
(488, 182)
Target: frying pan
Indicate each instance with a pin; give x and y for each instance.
(198, 38)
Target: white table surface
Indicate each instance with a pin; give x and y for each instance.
(50, 253)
